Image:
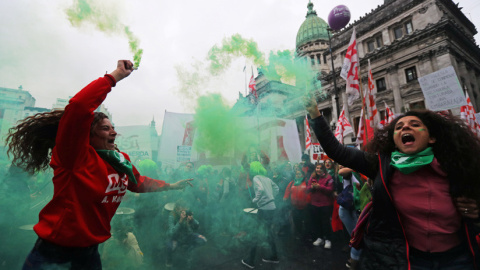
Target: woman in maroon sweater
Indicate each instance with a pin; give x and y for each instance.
(90, 175)
(426, 192)
(320, 186)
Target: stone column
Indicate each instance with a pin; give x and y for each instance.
(394, 84)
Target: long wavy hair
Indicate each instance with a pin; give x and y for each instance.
(457, 148)
(30, 143)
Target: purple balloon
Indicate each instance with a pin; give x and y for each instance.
(339, 17)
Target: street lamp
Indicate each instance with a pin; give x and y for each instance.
(335, 90)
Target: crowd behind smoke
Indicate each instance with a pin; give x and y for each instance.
(140, 229)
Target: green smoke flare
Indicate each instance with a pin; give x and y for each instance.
(133, 42)
(105, 20)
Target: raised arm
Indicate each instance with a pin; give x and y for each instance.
(347, 156)
(73, 135)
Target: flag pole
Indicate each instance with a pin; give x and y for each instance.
(245, 72)
(258, 112)
(360, 83)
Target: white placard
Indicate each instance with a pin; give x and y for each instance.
(184, 153)
(442, 90)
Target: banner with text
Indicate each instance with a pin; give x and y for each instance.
(442, 90)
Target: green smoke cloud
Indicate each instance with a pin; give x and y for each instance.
(281, 66)
(104, 19)
(218, 130)
(220, 57)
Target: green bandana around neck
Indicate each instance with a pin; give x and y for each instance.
(298, 181)
(118, 162)
(409, 163)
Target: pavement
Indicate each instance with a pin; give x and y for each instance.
(293, 254)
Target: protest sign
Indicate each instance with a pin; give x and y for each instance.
(184, 153)
(442, 90)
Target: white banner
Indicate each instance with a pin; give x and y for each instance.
(279, 140)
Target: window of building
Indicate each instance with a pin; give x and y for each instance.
(381, 85)
(408, 27)
(313, 60)
(356, 122)
(411, 74)
(379, 41)
(371, 45)
(325, 58)
(319, 60)
(398, 31)
(417, 105)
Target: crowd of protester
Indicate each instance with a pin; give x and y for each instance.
(410, 201)
(302, 207)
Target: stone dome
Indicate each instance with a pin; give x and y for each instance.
(313, 28)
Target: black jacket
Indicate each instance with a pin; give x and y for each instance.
(385, 242)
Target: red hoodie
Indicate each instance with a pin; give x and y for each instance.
(299, 195)
(87, 190)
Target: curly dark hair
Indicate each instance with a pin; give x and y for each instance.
(31, 141)
(457, 148)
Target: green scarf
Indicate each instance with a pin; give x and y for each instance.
(409, 163)
(118, 162)
(297, 181)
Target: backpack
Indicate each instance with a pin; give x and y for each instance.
(345, 198)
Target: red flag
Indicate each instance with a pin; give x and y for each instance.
(343, 127)
(372, 91)
(467, 113)
(361, 134)
(308, 139)
(389, 115)
(253, 87)
(350, 70)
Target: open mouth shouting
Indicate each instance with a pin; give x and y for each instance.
(408, 139)
(411, 135)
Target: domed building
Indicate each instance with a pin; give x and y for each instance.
(312, 40)
(403, 39)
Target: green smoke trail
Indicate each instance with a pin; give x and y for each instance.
(133, 42)
(104, 19)
(219, 131)
(281, 66)
(220, 57)
(191, 82)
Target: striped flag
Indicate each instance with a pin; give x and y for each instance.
(467, 113)
(343, 127)
(308, 139)
(361, 134)
(361, 131)
(389, 114)
(350, 70)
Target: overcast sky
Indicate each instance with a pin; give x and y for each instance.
(50, 58)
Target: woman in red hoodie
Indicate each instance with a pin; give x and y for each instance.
(299, 197)
(320, 186)
(90, 175)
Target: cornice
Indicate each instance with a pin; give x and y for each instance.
(370, 21)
